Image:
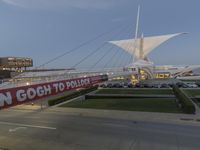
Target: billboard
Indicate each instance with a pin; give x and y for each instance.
(15, 62)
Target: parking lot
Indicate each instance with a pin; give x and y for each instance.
(152, 83)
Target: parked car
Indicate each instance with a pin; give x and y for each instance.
(130, 85)
(117, 85)
(137, 85)
(179, 84)
(164, 85)
(198, 84)
(191, 85)
(156, 86)
(102, 85)
(170, 85)
(125, 85)
(182, 85)
(109, 85)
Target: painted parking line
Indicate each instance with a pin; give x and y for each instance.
(26, 125)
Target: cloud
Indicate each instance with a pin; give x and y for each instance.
(59, 4)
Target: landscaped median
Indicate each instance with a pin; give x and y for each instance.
(194, 93)
(142, 104)
(148, 100)
(71, 95)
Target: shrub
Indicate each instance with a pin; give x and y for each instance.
(72, 95)
(186, 102)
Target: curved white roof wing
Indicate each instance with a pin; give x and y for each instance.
(149, 43)
(127, 45)
(186, 69)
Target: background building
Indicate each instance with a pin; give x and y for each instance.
(13, 65)
(9, 63)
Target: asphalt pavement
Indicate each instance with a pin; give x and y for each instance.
(59, 130)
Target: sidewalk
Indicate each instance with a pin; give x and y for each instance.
(38, 105)
(169, 118)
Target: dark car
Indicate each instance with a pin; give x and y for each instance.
(109, 85)
(125, 85)
(117, 85)
(170, 85)
(130, 85)
(179, 84)
(182, 85)
(137, 85)
(164, 85)
(102, 86)
(198, 84)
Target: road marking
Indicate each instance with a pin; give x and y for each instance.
(26, 125)
(45, 121)
(115, 125)
(18, 128)
(32, 117)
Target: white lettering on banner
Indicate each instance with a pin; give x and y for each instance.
(83, 82)
(88, 81)
(68, 85)
(31, 93)
(21, 96)
(5, 98)
(55, 85)
(47, 89)
(61, 87)
(40, 91)
(77, 83)
(73, 84)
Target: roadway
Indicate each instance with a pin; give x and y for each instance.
(59, 130)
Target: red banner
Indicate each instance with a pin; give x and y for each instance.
(19, 95)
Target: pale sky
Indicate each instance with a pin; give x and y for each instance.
(44, 29)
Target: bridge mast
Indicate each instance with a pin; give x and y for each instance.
(141, 56)
(136, 32)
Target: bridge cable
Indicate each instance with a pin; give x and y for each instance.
(92, 53)
(109, 50)
(76, 48)
(120, 53)
(114, 55)
(101, 58)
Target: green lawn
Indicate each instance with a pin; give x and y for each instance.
(198, 103)
(148, 105)
(190, 80)
(136, 91)
(192, 92)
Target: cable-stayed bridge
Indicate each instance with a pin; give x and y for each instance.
(126, 58)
